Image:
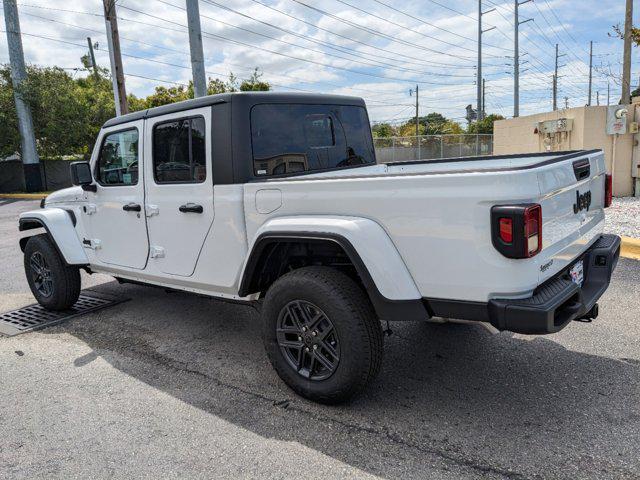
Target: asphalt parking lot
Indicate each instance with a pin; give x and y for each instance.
(169, 385)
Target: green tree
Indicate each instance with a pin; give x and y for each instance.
(383, 130)
(69, 112)
(485, 125)
(254, 83)
(432, 124)
(66, 112)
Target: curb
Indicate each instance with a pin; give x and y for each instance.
(630, 248)
(23, 196)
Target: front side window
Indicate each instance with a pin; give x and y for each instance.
(179, 151)
(297, 138)
(118, 160)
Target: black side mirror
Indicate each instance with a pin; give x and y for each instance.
(81, 175)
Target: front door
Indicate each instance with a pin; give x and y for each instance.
(179, 188)
(117, 223)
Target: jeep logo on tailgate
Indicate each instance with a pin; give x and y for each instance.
(583, 202)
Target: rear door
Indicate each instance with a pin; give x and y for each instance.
(572, 198)
(179, 188)
(117, 223)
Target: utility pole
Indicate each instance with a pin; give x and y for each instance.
(195, 46)
(479, 69)
(417, 113)
(483, 98)
(598, 97)
(479, 99)
(28, 151)
(92, 56)
(626, 60)
(555, 78)
(516, 57)
(590, 70)
(566, 102)
(608, 94)
(117, 73)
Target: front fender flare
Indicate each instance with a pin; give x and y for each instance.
(381, 268)
(59, 225)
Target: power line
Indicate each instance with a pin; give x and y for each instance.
(404, 27)
(436, 26)
(306, 38)
(379, 33)
(351, 39)
(293, 57)
(380, 102)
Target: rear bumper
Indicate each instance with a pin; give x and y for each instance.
(553, 305)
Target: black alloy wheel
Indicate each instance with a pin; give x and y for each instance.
(41, 274)
(308, 340)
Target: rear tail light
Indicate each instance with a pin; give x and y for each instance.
(533, 229)
(516, 230)
(608, 190)
(506, 230)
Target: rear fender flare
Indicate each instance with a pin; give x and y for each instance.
(381, 268)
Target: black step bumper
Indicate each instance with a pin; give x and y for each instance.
(559, 300)
(553, 304)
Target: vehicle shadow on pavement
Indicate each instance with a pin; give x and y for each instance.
(453, 396)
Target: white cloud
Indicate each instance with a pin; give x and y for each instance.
(288, 61)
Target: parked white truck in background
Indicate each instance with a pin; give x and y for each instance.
(277, 199)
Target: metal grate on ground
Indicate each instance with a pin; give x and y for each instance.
(34, 317)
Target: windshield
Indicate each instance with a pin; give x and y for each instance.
(299, 138)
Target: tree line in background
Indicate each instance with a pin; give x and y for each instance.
(68, 112)
(434, 124)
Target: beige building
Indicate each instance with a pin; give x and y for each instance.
(576, 129)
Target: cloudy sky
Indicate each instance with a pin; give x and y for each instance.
(376, 49)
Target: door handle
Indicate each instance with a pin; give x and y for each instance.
(132, 207)
(191, 208)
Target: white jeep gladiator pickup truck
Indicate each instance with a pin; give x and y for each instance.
(277, 199)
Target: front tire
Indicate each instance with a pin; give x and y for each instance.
(321, 334)
(55, 285)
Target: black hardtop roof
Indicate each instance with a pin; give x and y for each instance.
(248, 99)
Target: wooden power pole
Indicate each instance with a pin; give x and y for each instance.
(117, 73)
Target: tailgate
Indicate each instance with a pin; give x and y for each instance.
(572, 197)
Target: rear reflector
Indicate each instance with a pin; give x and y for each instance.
(516, 230)
(608, 190)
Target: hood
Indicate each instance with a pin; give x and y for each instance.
(66, 195)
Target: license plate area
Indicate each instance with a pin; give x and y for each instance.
(576, 272)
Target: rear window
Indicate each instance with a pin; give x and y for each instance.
(300, 138)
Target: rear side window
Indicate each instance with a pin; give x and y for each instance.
(298, 138)
(179, 151)
(118, 160)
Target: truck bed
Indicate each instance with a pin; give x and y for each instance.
(437, 213)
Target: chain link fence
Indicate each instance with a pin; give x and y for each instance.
(403, 149)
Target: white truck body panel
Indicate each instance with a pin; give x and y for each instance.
(435, 217)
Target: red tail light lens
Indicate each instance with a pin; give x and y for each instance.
(533, 230)
(516, 230)
(506, 230)
(608, 190)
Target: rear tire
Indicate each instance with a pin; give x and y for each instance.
(339, 352)
(55, 285)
